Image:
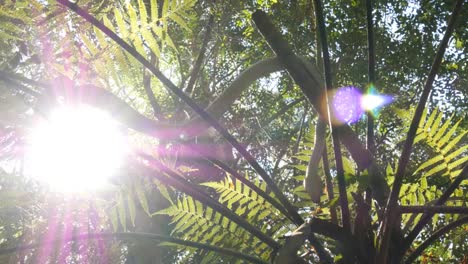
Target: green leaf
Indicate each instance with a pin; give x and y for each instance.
(430, 162)
(154, 11)
(180, 21)
(448, 135)
(457, 163)
(164, 191)
(140, 193)
(121, 23)
(435, 170)
(131, 208)
(436, 123)
(442, 130)
(458, 44)
(429, 121)
(348, 166)
(143, 13)
(122, 214)
(389, 170)
(453, 142)
(114, 218)
(133, 18)
(424, 183)
(165, 8)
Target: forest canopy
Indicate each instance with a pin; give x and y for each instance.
(183, 131)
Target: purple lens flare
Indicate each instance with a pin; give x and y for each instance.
(349, 104)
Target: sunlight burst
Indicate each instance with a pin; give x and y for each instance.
(77, 149)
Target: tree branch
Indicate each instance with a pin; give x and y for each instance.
(133, 235)
(329, 185)
(441, 209)
(157, 112)
(371, 77)
(434, 237)
(345, 215)
(201, 56)
(405, 155)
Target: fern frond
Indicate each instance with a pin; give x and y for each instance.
(443, 143)
(249, 204)
(197, 222)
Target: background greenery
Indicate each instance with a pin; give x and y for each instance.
(46, 42)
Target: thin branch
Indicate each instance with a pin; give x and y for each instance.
(282, 111)
(345, 215)
(201, 56)
(326, 165)
(371, 77)
(434, 237)
(157, 112)
(440, 209)
(276, 115)
(133, 235)
(427, 217)
(329, 183)
(199, 110)
(301, 132)
(405, 155)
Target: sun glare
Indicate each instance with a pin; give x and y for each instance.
(77, 149)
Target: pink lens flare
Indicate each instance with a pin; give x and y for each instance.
(349, 104)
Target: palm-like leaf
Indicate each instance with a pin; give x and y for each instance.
(448, 158)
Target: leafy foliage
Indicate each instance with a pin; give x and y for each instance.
(447, 157)
(197, 222)
(42, 41)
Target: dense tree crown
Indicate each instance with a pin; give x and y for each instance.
(183, 131)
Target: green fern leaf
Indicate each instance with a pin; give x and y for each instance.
(457, 152)
(453, 142)
(133, 18)
(429, 121)
(140, 193)
(448, 135)
(435, 125)
(114, 218)
(143, 13)
(154, 11)
(176, 18)
(131, 208)
(457, 163)
(122, 214)
(442, 129)
(430, 162)
(435, 170)
(122, 26)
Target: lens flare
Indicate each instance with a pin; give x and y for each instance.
(372, 101)
(349, 104)
(346, 104)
